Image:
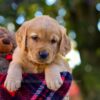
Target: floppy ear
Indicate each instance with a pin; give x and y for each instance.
(21, 36)
(65, 45)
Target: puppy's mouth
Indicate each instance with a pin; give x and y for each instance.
(41, 62)
(42, 57)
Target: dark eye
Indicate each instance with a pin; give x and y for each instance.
(53, 41)
(35, 38)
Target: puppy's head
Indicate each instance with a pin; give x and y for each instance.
(42, 38)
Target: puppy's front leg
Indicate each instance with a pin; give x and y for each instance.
(53, 78)
(14, 77)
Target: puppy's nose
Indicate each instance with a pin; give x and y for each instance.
(43, 54)
(6, 41)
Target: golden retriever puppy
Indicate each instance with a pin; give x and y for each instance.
(41, 43)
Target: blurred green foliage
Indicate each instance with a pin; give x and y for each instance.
(82, 17)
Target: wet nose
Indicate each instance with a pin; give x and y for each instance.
(6, 41)
(43, 54)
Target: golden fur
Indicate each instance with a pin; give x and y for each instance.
(40, 33)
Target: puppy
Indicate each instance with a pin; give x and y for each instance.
(41, 43)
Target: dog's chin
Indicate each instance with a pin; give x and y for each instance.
(43, 62)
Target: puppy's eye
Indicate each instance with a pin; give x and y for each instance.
(35, 38)
(53, 41)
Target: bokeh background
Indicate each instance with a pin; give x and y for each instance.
(82, 21)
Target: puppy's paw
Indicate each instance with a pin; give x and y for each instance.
(13, 83)
(54, 83)
(53, 79)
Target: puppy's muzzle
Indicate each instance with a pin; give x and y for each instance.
(43, 55)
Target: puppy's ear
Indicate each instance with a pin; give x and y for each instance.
(21, 36)
(65, 45)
